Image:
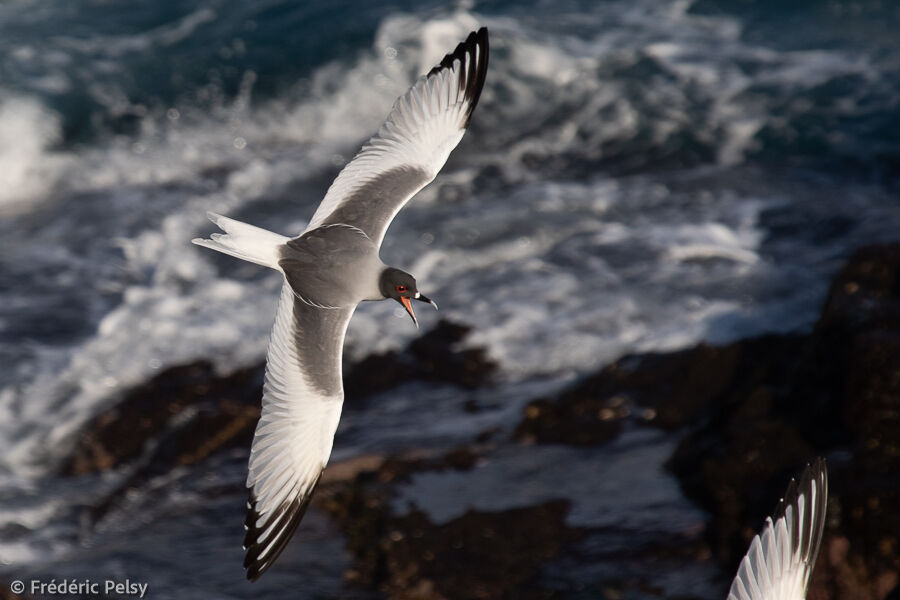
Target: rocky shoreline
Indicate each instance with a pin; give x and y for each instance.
(754, 411)
(747, 415)
(186, 413)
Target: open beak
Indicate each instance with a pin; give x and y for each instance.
(407, 304)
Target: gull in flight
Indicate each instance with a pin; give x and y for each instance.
(781, 558)
(329, 269)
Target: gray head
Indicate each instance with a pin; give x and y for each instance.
(401, 286)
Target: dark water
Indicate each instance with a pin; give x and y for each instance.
(638, 176)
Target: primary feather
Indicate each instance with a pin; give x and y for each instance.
(781, 558)
(412, 145)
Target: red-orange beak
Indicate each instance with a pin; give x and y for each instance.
(408, 306)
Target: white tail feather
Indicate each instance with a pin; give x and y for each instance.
(244, 241)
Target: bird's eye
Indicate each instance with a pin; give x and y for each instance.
(401, 288)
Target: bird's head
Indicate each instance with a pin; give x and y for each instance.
(401, 286)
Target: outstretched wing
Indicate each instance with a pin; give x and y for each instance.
(423, 127)
(780, 560)
(301, 406)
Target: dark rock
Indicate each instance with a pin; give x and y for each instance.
(862, 321)
(580, 421)
(841, 573)
(439, 357)
(744, 452)
(400, 469)
(477, 555)
(376, 373)
(838, 394)
(196, 410)
(435, 356)
(186, 413)
(755, 411)
(669, 391)
(866, 293)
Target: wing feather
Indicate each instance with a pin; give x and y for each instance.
(781, 558)
(412, 145)
(300, 414)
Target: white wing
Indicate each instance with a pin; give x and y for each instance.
(303, 392)
(780, 560)
(423, 127)
(301, 407)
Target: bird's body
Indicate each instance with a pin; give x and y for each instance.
(332, 266)
(328, 270)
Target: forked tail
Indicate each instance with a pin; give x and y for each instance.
(244, 241)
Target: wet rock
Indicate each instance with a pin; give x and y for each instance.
(841, 573)
(579, 421)
(862, 321)
(744, 451)
(477, 555)
(839, 395)
(667, 390)
(191, 408)
(400, 469)
(186, 413)
(755, 411)
(435, 356)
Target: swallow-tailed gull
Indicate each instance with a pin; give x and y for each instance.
(329, 269)
(781, 558)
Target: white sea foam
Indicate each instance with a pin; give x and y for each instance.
(30, 168)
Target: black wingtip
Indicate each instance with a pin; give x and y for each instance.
(815, 472)
(285, 519)
(472, 81)
(815, 476)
